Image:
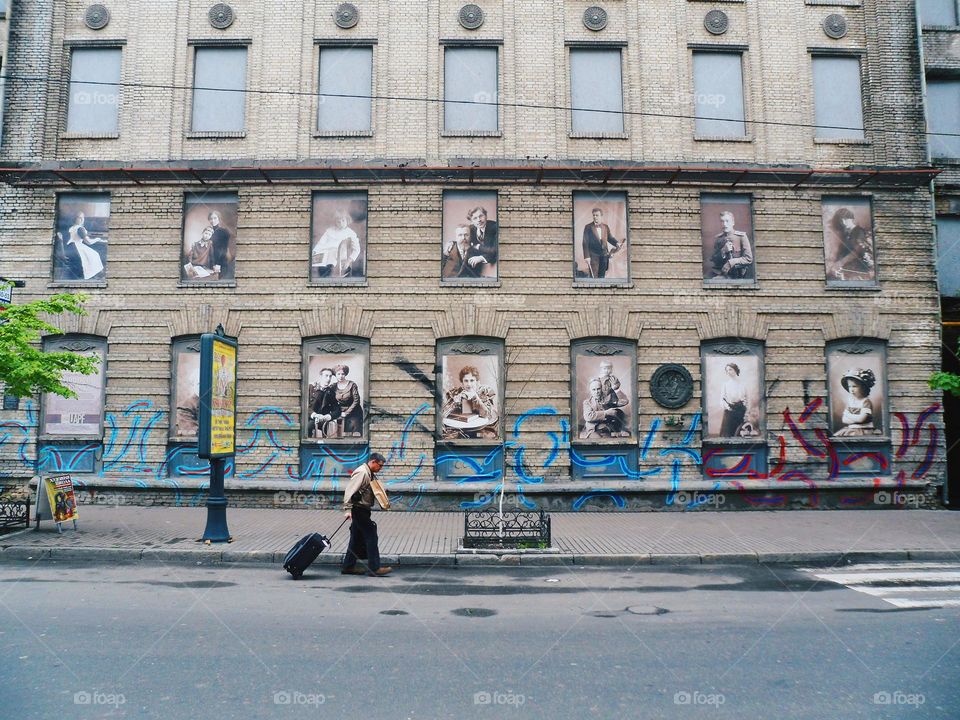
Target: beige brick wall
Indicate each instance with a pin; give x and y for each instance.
(533, 68)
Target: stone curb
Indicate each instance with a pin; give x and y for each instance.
(267, 557)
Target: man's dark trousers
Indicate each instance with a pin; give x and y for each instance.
(363, 534)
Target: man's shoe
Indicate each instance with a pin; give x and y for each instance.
(381, 572)
(353, 571)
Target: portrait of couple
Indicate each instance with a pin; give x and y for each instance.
(336, 396)
(471, 240)
(209, 246)
(605, 394)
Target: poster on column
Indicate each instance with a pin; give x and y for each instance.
(218, 396)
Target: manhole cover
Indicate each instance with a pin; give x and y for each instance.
(474, 612)
(394, 612)
(647, 610)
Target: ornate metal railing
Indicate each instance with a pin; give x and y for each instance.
(14, 513)
(515, 529)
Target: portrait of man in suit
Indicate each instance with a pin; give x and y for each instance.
(600, 237)
(471, 237)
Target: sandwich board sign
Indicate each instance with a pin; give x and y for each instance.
(56, 500)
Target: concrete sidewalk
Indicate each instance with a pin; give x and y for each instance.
(109, 533)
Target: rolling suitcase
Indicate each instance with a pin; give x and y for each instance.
(307, 549)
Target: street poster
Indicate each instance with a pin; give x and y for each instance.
(218, 396)
(56, 500)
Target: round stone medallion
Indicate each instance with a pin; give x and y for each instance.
(716, 22)
(671, 386)
(221, 16)
(835, 26)
(346, 15)
(595, 18)
(471, 16)
(96, 17)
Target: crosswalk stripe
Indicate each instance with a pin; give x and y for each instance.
(872, 577)
(904, 603)
(884, 591)
(905, 586)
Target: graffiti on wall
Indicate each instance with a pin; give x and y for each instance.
(662, 451)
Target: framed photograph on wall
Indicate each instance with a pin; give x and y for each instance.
(857, 387)
(848, 242)
(185, 390)
(733, 391)
(727, 238)
(471, 237)
(209, 245)
(338, 237)
(470, 389)
(336, 400)
(82, 416)
(601, 252)
(604, 394)
(80, 238)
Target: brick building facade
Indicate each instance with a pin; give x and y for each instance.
(715, 115)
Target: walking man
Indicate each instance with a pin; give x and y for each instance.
(358, 498)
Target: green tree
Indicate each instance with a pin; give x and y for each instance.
(948, 382)
(24, 367)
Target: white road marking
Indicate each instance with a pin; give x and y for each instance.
(931, 585)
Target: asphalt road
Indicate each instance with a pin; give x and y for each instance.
(171, 642)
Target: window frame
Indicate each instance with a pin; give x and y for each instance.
(718, 49)
(214, 44)
(954, 26)
(940, 77)
(953, 218)
(79, 343)
(619, 47)
(603, 347)
(333, 344)
(334, 44)
(840, 53)
(77, 282)
(464, 44)
(178, 345)
(89, 44)
(853, 284)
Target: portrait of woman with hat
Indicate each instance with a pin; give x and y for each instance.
(858, 416)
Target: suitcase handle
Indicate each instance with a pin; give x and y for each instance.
(338, 529)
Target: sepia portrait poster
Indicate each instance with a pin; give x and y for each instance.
(338, 243)
(726, 234)
(733, 396)
(81, 416)
(600, 243)
(80, 237)
(209, 246)
(848, 241)
(857, 390)
(604, 396)
(471, 399)
(336, 396)
(471, 236)
(187, 393)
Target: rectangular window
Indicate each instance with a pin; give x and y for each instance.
(80, 238)
(344, 88)
(718, 94)
(82, 416)
(596, 91)
(943, 113)
(219, 84)
(470, 89)
(948, 258)
(938, 12)
(838, 104)
(94, 91)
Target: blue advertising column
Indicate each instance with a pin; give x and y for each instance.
(218, 413)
